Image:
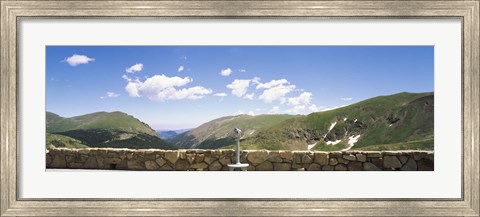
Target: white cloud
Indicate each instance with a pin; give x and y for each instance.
(126, 78)
(272, 83)
(110, 95)
(76, 59)
(160, 82)
(276, 93)
(239, 112)
(239, 87)
(180, 69)
(242, 70)
(297, 109)
(275, 110)
(193, 93)
(135, 68)
(346, 99)
(132, 88)
(221, 95)
(300, 104)
(162, 88)
(304, 98)
(249, 96)
(226, 72)
(256, 80)
(184, 57)
(275, 89)
(313, 108)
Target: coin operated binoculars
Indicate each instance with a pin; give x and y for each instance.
(243, 167)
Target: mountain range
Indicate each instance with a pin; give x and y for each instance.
(399, 121)
(102, 129)
(395, 122)
(219, 132)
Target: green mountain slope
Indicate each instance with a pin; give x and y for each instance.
(395, 119)
(219, 132)
(100, 120)
(103, 129)
(61, 141)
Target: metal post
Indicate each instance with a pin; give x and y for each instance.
(238, 164)
(238, 148)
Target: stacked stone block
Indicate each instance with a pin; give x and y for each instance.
(217, 160)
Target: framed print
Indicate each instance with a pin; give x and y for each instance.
(227, 108)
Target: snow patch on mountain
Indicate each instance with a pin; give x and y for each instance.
(309, 147)
(333, 142)
(351, 142)
(330, 129)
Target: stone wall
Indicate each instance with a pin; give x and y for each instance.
(215, 160)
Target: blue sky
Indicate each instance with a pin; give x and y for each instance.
(176, 87)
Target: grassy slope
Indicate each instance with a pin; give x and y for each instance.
(103, 129)
(423, 144)
(219, 132)
(374, 116)
(64, 141)
(100, 120)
